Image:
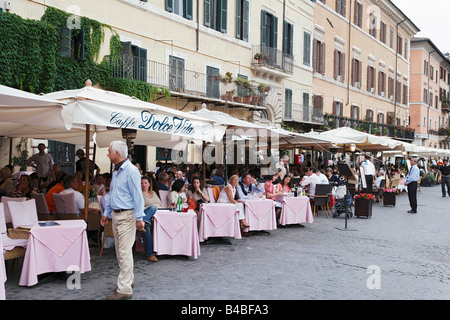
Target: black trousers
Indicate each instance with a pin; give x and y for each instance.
(445, 182)
(412, 195)
(369, 183)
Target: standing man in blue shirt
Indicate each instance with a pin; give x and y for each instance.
(126, 209)
(411, 181)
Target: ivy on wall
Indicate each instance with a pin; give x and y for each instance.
(30, 56)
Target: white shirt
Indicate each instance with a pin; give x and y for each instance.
(311, 181)
(369, 168)
(323, 179)
(79, 199)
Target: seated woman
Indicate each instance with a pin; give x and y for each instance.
(23, 189)
(99, 185)
(194, 191)
(151, 204)
(177, 190)
(285, 185)
(271, 193)
(227, 196)
(5, 181)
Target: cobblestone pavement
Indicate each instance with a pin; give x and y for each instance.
(393, 255)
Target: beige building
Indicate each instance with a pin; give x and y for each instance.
(188, 47)
(430, 78)
(361, 64)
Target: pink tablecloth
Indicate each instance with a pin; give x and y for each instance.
(219, 220)
(2, 272)
(296, 210)
(260, 214)
(176, 233)
(55, 249)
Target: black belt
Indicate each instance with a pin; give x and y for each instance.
(121, 210)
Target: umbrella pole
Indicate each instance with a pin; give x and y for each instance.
(86, 174)
(203, 164)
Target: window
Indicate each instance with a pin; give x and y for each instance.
(380, 118)
(212, 82)
(382, 84)
(357, 19)
(339, 65)
(355, 112)
(356, 73)
(305, 106)
(180, 7)
(288, 38)
(176, 76)
(400, 45)
(306, 49)
(72, 43)
(338, 109)
(425, 67)
(398, 91)
(425, 96)
(134, 60)
(369, 115)
(391, 41)
(242, 14)
(371, 82)
(405, 94)
(216, 14)
(269, 30)
(340, 7)
(319, 57)
(383, 32)
(288, 104)
(373, 25)
(391, 88)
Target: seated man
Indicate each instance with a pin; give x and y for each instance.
(162, 181)
(310, 180)
(57, 188)
(247, 187)
(71, 185)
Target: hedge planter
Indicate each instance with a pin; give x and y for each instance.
(389, 198)
(363, 208)
(425, 183)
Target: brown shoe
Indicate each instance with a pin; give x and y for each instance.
(119, 296)
(152, 259)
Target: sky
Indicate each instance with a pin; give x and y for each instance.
(431, 17)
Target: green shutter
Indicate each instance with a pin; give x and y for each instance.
(169, 5)
(223, 15)
(187, 9)
(238, 18)
(245, 15)
(274, 35)
(207, 13)
(65, 49)
(263, 28)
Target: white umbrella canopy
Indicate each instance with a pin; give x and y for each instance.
(107, 112)
(365, 141)
(24, 108)
(330, 141)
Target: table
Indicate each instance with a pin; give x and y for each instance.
(2, 272)
(260, 214)
(296, 210)
(176, 233)
(218, 220)
(55, 249)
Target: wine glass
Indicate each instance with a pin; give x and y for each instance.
(173, 204)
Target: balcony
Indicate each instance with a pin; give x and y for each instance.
(185, 84)
(271, 63)
(304, 114)
(399, 132)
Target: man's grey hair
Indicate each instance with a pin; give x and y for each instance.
(285, 157)
(415, 159)
(120, 147)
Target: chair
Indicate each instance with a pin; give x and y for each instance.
(212, 199)
(320, 198)
(378, 192)
(163, 194)
(418, 183)
(394, 183)
(7, 214)
(23, 213)
(65, 206)
(216, 192)
(14, 247)
(42, 208)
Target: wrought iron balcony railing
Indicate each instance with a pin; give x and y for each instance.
(267, 56)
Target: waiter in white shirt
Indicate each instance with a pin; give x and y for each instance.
(369, 172)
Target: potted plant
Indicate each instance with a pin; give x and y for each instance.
(260, 57)
(227, 78)
(427, 181)
(389, 197)
(363, 204)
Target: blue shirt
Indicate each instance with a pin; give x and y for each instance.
(241, 194)
(125, 191)
(413, 175)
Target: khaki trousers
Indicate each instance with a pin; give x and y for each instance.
(124, 229)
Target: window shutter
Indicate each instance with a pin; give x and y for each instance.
(274, 42)
(169, 5)
(79, 46)
(336, 64)
(306, 49)
(223, 15)
(245, 15)
(322, 59)
(238, 18)
(141, 64)
(263, 28)
(207, 13)
(65, 48)
(315, 45)
(344, 6)
(343, 67)
(187, 9)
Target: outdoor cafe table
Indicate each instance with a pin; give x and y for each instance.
(296, 210)
(176, 233)
(218, 220)
(260, 214)
(2, 272)
(55, 248)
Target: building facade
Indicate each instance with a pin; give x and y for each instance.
(361, 65)
(429, 95)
